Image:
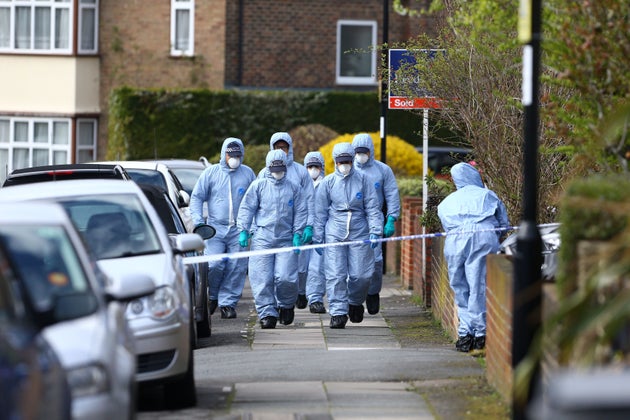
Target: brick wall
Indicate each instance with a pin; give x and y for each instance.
(134, 47)
(442, 299)
(410, 264)
(499, 324)
(293, 44)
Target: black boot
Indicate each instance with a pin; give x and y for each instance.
(479, 343)
(228, 312)
(287, 315)
(356, 313)
(338, 321)
(464, 343)
(301, 302)
(317, 308)
(373, 303)
(268, 322)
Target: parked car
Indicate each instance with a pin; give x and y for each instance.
(550, 235)
(33, 382)
(186, 171)
(65, 172)
(155, 173)
(442, 157)
(81, 313)
(126, 236)
(197, 273)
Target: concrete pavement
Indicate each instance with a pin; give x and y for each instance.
(308, 371)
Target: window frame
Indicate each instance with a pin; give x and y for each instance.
(371, 80)
(176, 6)
(74, 32)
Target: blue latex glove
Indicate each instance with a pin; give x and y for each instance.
(372, 237)
(243, 238)
(307, 237)
(389, 228)
(297, 241)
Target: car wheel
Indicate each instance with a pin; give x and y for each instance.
(182, 392)
(204, 327)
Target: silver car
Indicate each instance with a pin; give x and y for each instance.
(80, 311)
(126, 236)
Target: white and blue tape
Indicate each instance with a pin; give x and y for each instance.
(247, 254)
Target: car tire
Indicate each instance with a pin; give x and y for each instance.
(204, 327)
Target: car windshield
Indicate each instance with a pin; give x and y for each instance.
(188, 177)
(147, 176)
(46, 261)
(113, 226)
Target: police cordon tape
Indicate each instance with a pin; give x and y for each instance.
(247, 254)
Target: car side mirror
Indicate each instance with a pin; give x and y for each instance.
(205, 231)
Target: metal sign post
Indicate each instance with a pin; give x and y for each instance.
(405, 93)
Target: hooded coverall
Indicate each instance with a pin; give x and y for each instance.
(346, 209)
(473, 210)
(298, 175)
(315, 281)
(383, 181)
(279, 212)
(223, 189)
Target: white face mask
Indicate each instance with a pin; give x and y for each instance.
(277, 175)
(362, 158)
(234, 163)
(314, 172)
(345, 168)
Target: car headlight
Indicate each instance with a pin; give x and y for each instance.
(163, 303)
(88, 380)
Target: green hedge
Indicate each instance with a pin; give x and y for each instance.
(193, 123)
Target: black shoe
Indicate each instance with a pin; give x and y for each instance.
(301, 302)
(373, 303)
(228, 312)
(287, 315)
(268, 322)
(338, 321)
(479, 343)
(317, 308)
(356, 313)
(213, 304)
(464, 343)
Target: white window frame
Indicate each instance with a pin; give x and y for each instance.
(357, 80)
(177, 6)
(52, 147)
(54, 6)
(83, 147)
(83, 6)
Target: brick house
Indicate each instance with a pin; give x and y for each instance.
(60, 59)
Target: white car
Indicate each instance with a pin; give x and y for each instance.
(159, 174)
(81, 313)
(126, 236)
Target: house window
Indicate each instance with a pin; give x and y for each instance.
(46, 26)
(26, 142)
(182, 27)
(356, 52)
(88, 25)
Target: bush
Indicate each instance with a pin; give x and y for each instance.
(402, 157)
(307, 138)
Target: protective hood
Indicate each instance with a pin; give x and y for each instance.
(312, 157)
(464, 174)
(224, 147)
(363, 141)
(284, 137)
(343, 151)
(276, 159)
